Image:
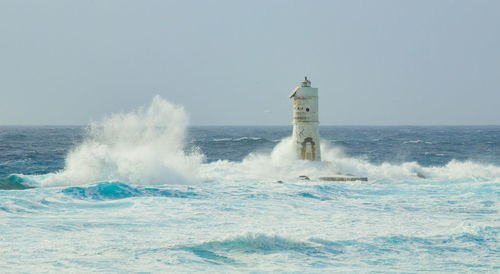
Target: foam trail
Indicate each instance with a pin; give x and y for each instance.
(142, 147)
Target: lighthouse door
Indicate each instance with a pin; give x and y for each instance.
(309, 151)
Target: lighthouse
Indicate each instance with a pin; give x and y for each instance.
(305, 121)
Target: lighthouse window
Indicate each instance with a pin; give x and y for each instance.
(307, 109)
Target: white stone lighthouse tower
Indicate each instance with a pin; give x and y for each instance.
(305, 121)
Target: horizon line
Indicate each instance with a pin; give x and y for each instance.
(282, 125)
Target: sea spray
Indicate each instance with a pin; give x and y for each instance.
(338, 161)
(281, 164)
(145, 146)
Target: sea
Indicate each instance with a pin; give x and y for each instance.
(146, 192)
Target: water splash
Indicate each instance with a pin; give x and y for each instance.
(145, 146)
(281, 164)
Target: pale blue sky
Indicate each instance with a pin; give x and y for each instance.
(235, 62)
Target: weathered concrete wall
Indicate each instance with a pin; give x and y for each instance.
(305, 122)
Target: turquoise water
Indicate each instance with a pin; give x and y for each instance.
(143, 192)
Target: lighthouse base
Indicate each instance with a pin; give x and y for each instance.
(343, 179)
(337, 178)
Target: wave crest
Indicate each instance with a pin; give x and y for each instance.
(115, 190)
(141, 147)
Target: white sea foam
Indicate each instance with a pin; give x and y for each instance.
(142, 147)
(281, 164)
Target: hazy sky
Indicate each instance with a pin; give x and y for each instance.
(235, 62)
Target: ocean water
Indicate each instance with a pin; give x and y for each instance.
(144, 191)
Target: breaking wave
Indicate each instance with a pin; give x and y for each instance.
(142, 147)
(228, 250)
(114, 191)
(252, 242)
(281, 164)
